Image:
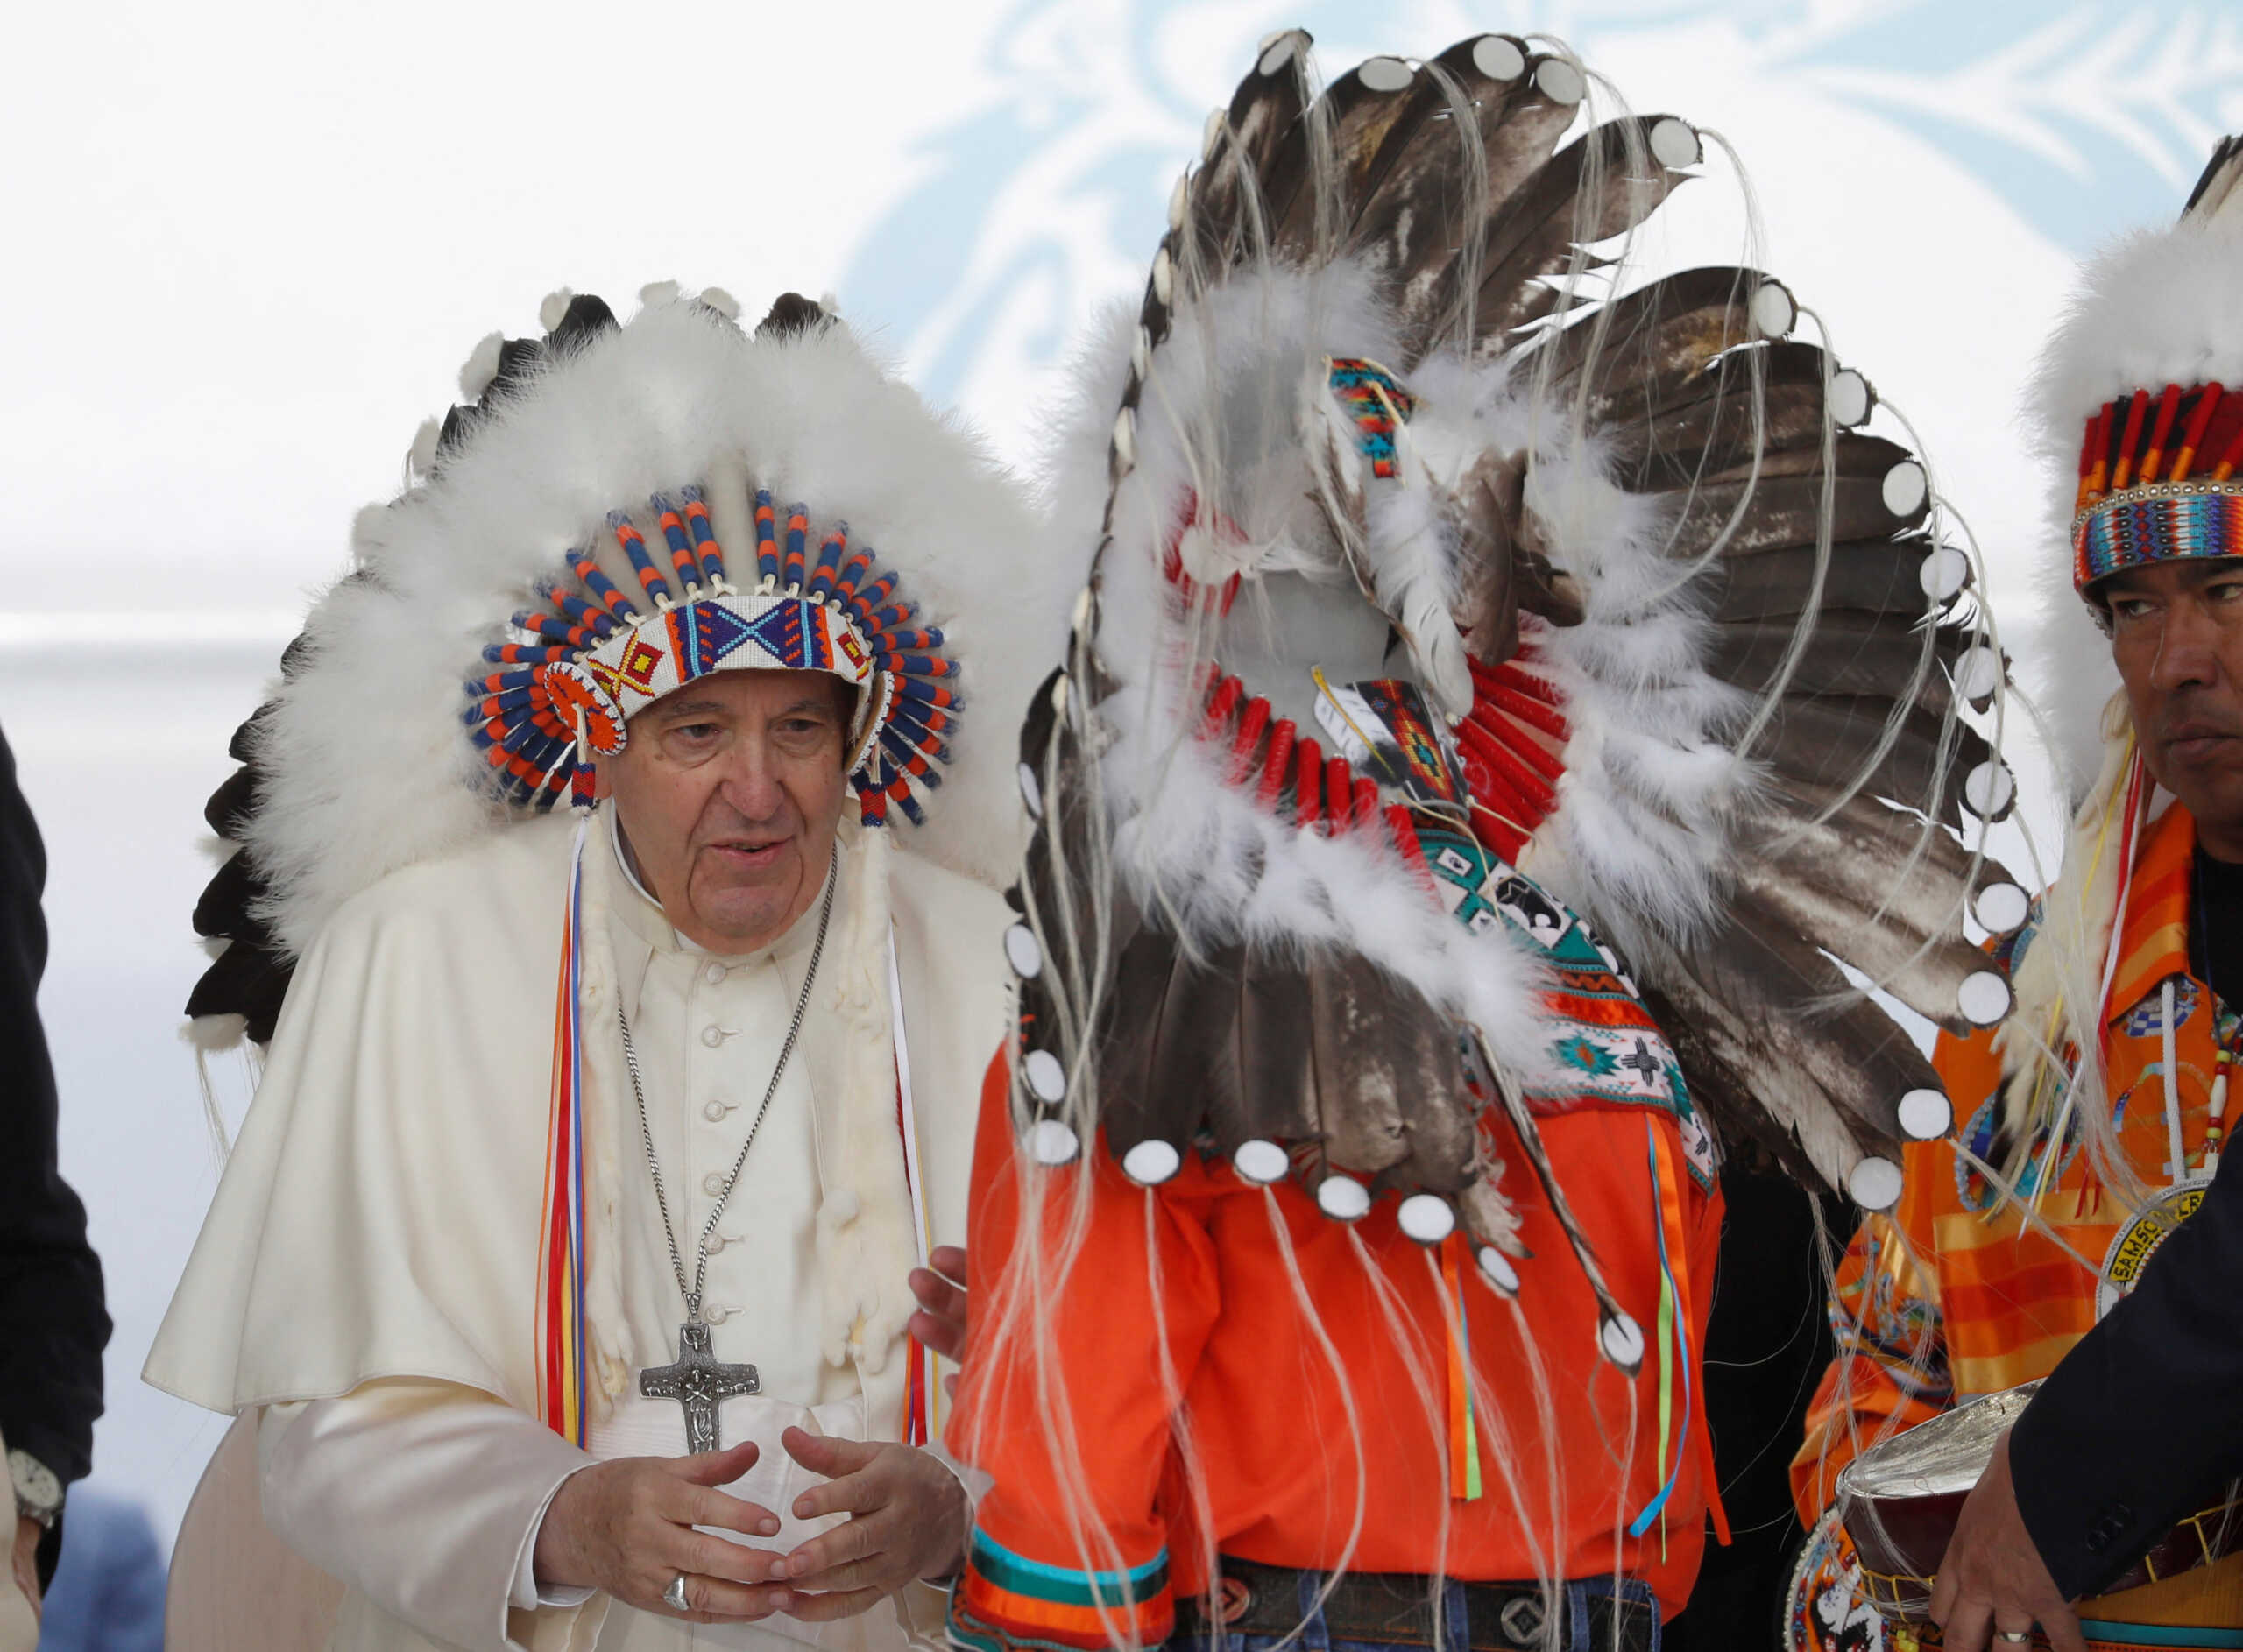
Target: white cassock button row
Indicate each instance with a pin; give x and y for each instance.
(713, 1036)
(717, 1242)
(712, 1184)
(713, 1111)
(715, 973)
(717, 1314)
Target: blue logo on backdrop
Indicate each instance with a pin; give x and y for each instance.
(2087, 118)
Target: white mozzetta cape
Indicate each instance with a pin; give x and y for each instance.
(380, 1216)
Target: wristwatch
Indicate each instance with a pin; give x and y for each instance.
(39, 1490)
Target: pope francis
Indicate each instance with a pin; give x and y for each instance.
(620, 1082)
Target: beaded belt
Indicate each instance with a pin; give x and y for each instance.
(1396, 1609)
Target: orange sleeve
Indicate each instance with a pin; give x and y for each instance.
(1070, 1546)
(1891, 1369)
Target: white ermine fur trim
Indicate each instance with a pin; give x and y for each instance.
(721, 301)
(555, 309)
(370, 768)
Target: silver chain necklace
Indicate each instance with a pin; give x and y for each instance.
(696, 1382)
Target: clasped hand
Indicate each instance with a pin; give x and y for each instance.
(628, 1527)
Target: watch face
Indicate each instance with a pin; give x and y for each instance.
(35, 1483)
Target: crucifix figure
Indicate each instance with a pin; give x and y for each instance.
(698, 1383)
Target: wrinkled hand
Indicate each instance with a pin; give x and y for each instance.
(28, 1532)
(909, 1517)
(626, 1527)
(1993, 1578)
(940, 1323)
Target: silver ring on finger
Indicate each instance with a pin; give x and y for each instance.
(674, 1597)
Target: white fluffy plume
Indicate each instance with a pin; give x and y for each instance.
(2153, 308)
(370, 766)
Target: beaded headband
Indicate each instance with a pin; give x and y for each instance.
(593, 660)
(2134, 507)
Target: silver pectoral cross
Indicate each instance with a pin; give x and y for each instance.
(698, 1383)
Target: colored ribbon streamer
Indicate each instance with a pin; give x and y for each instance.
(1463, 1433)
(1673, 1337)
(561, 1309)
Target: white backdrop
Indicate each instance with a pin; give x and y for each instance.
(253, 240)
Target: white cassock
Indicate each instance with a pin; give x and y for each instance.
(367, 1277)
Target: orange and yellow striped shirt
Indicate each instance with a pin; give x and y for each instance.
(1949, 1298)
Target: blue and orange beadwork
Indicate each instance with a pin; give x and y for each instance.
(1375, 400)
(2157, 481)
(565, 691)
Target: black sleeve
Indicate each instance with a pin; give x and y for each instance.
(52, 1325)
(2138, 1426)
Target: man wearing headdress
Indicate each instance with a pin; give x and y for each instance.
(620, 1082)
(1413, 900)
(2094, 1120)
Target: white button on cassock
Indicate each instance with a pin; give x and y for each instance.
(713, 1111)
(715, 973)
(712, 1184)
(713, 1036)
(717, 1314)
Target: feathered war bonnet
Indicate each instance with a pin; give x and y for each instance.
(616, 509)
(620, 510)
(1457, 592)
(2137, 407)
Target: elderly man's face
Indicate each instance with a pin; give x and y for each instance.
(729, 794)
(2176, 632)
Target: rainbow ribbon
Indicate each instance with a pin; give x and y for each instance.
(560, 1301)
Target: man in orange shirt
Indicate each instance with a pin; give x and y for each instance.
(2085, 1138)
(1344, 1216)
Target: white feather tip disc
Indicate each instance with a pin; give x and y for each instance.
(1151, 1163)
(2002, 907)
(1988, 790)
(555, 307)
(1031, 794)
(1851, 398)
(1984, 998)
(1496, 1268)
(1874, 1184)
(1426, 1218)
(1925, 1115)
(1944, 574)
(1497, 58)
(1906, 487)
(1675, 144)
(1023, 952)
(1046, 1079)
(1342, 1199)
(1053, 1143)
(1560, 82)
(1621, 1340)
(1385, 74)
(1260, 1162)
(1977, 674)
(1774, 314)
